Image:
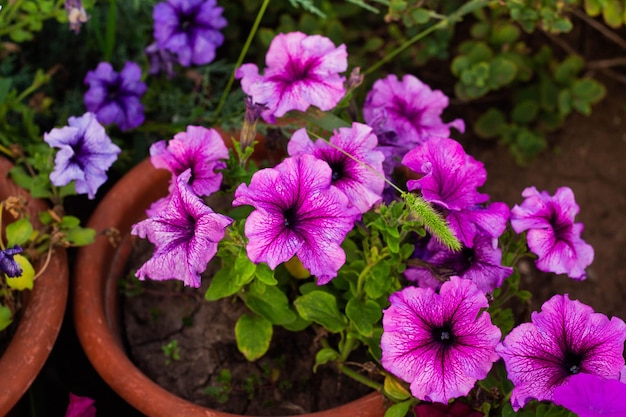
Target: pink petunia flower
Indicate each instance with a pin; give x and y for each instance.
(185, 234)
(80, 407)
(591, 396)
(359, 181)
(564, 339)
(301, 71)
(440, 343)
(297, 213)
(552, 234)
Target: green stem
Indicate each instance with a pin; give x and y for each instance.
(452, 17)
(360, 378)
(364, 272)
(242, 54)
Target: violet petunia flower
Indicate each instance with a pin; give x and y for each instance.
(200, 149)
(160, 60)
(362, 182)
(190, 29)
(185, 234)
(591, 396)
(405, 114)
(440, 343)
(450, 179)
(8, 265)
(80, 407)
(552, 234)
(116, 97)
(76, 14)
(564, 339)
(297, 213)
(85, 154)
(481, 264)
(301, 71)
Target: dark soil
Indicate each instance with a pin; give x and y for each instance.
(210, 370)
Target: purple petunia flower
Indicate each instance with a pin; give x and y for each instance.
(552, 234)
(591, 396)
(450, 179)
(80, 407)
(160, 60)
(301, 71)
(85, 154)
(564, 339)
(361, 184)
(76, 14)
(116, 97)
(8, 265)
(440, 343)
(481, 264)
(298, 213)
(185, 234)
(190, 29)
(200, 149)
(405, 114)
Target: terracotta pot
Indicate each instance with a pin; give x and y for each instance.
(97, 269)
(42, 315)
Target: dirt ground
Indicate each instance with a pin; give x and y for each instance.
(589, 157)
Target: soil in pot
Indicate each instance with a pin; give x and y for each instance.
(187, 345)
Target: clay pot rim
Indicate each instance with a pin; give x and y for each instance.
(41, 318)
(95, 323)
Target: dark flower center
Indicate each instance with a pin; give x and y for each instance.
(468, 255)
(338, 168)
(291, 218)
(443, 335)
(403, 109)
(562, 229)
(572, 362)
(186, 22)
(298, 71)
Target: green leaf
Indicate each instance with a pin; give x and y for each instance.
(253, 334)
(592, 7)
(5, 317)
(264, 274)
(504, 34)
(69, 222)
(324, 356)
(5, 86)
(19, 231)
(490, 124)
(269, 302)
(567, 70)
(588, 90)
(613, 12)
(399, 409)
(502, 71)
(525, 112)
(244, 269)
(421, 15)
(222, 285)
(321, 307)
(80, 236)
(363, 314)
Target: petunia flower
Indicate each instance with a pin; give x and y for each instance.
(440, 343)
(405, 114)
(185, 234)
(591, 396)
(190, 29)
(8, 265)
(297, 213)
(160, 60)
(200, 149)
(552, 234)
(456, 409)
(481, 264)
(76, 14)
(116, 97)
(450, 179)
(85, 154)
(301, 71)
(564, 339)
(80, 407)
(363, 181)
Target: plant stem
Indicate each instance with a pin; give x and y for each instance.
(360, 378)
(242, 54)
(467, 8)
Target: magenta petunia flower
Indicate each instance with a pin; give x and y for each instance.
(564, 339)
(185, 235)
(200, 149)
(455, 409)
(116, 97)
(190, 29)
(440, 343)
(361, 184)
(591, 396)
(552, 234)
(85, 154)
(297, 213)
(301, 71)
(405, 114)
(80, 407)
(450, 179)
(481, 264)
